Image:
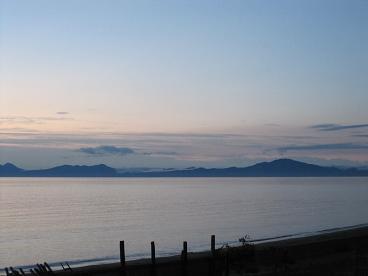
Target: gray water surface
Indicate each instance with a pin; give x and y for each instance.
(83, 219)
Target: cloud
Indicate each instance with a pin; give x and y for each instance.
(341, 146)
(17, 130)
(62, 113)
(335, 127)
(272, 125)
(361, 135)
(177, 150)
(107, 150)
(164, 153)
(30, 120)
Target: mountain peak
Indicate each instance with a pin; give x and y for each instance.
(287, 161)
(9, 169)
(9, 165)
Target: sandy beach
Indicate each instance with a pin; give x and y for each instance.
(343, 252)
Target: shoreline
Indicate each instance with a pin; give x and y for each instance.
(320, 249)
(319, 240)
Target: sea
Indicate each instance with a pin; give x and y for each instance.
(82, 220)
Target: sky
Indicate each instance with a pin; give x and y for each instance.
(164, 84)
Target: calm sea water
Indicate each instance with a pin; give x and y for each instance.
(82, 219)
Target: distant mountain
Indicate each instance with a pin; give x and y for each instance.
(75, 171)
(277, 168)
(60, 171)
(9, 169)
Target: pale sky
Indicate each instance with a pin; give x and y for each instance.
(182, 83)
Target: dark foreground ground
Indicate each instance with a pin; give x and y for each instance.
(339, 253)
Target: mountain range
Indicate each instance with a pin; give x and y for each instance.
(276, 168)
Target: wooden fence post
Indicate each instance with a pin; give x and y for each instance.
(213, 242)
(122, 257)
(153, 258)
(227, 268)
(184, 258)
(212, 258)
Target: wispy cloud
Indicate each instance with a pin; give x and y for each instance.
(107, 150)
(16, 130)
(335, 127)
(340, 146)
(62, 113)
(163, 153)
(177, 149)
(30, 120)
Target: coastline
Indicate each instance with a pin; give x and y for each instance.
(322, 244)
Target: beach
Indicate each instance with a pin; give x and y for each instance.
(343, 252)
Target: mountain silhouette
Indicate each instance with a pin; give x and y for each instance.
(74, 171)
(276, 168)
(9, 169)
